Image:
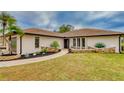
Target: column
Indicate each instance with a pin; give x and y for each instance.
(80, 43)
(76, 43)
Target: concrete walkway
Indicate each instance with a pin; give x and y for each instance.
(33, 60)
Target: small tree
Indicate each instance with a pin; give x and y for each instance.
(9, 26)
(65, 28)
(55, 44)
(4, 17)
(100, 45)
(11, 29)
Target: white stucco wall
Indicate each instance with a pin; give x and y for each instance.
(1, 41)
(7, 44)
(28, 43)
(109, 41)
(18, 44)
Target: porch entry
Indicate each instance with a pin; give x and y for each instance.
(66, 43)
(78, 43)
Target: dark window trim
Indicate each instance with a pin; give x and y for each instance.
(83, 42)
(37, 43)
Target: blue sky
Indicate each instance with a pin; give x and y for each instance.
(110, 20)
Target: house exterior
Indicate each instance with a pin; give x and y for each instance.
(34, 39)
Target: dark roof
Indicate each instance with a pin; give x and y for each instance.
(75, 33)
(90, 32)
(36, 31)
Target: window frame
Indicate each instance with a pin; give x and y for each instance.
(37, 43)
(83, 42)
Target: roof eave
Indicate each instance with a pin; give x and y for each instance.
(93, 35)
(44, 35)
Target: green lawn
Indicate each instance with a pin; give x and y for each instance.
(77, 66)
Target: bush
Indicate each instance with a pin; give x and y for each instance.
(55, 44)
(100, 45)
(44, 50)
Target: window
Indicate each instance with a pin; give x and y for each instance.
(83, 42)
(74, 42)
(78, 42)
(36, 42)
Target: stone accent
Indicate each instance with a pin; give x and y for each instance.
(50, 49)
(95, 50)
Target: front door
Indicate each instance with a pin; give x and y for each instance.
(66, 43)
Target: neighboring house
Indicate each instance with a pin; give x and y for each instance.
(34, 39)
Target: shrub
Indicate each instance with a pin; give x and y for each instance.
(100, 45)
(55, 44)
(44, 50)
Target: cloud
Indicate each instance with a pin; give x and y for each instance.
(34, 19)
(82, 19)
(45, 18)
(103, 14)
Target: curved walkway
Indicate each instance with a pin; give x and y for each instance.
(32, 60)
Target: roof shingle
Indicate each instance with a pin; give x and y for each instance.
(43, 32)
(75, 33)
(90, 32)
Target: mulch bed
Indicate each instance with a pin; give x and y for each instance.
(34, 56)
(16, 57)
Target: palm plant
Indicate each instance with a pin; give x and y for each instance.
(13, 29)
(4, 16)
(8, 23)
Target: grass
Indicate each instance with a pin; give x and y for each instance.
(77, 66)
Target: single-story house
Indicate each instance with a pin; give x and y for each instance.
(34, 39)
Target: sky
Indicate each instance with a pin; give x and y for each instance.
(52, 20)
